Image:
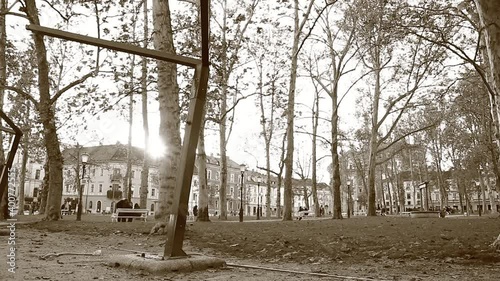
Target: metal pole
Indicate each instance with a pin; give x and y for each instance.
(258, 200)
(348, 201)
(83, 181)
(241, 199)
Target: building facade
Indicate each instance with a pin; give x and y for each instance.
(103, 178)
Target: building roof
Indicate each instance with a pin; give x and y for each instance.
(104, 153)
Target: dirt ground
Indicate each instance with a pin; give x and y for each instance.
(361, 248)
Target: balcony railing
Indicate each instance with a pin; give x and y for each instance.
(116, 177)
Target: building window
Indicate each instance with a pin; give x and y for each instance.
(218, 176)
(67, 188)
(92, 188)
(133, 174)
(102, 172)
(408, 195)
(37, 174)
(100, 188)
(209, 174)
(92, 172)
(232, 178)
(153, 192)
(116, 171)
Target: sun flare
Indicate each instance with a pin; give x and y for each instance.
(156, 147)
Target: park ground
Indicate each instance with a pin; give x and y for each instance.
(360, 248)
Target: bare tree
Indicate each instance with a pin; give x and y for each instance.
(230, 43)
(168, 96)
(144, 105)
(381, 35)
(45, 106)
(339, 50)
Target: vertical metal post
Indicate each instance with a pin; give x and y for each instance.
(177, 223)
(241, 199)
(242, 170)
(258, 200)
(348, 200)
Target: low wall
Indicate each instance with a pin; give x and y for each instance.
(424, 214)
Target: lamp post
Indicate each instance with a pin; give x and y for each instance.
(259, 179)
(242, 170)
(84, 158)
(349, 199)
(479, 206)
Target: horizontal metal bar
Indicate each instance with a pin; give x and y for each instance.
(117, 46)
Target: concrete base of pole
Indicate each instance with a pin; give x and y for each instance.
(155, 265)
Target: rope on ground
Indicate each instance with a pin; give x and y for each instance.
(301, 272)
(131, 251)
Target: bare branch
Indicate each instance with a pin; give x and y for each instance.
(314, 23)
(71, 85)
(21, 93)
(57, 11)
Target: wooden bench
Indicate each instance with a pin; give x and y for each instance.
(126, 213)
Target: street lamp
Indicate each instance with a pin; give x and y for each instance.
(349, 199)
(259, 179)
(84, 158)
(242, 170)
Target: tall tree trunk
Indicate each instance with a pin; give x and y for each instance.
(168, 95)
(389, 192)
(290, 116)
(223, 159)
(374, 140)
(482, 186)
(269, 183)
(489, 11)
(461, 196)
(143, 192)
(22, 176)
(267, 132)
(128, 174)
(335, 180)
(280, 178)
(314, 156)
(203, 214)
(45, 188)
(47, 117)
(224, 80)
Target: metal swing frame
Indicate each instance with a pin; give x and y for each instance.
(5, 168)
(177, 223)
